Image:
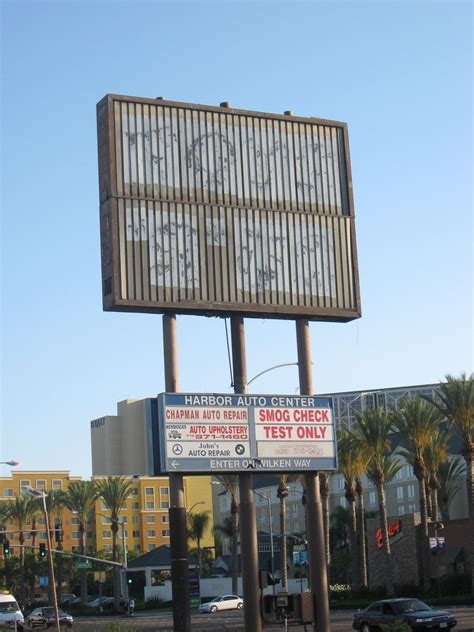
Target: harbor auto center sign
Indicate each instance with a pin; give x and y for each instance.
(214, 432)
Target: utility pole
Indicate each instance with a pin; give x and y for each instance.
(314, 512)
(177, 509)
(248, 519)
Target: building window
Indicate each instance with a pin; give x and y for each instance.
(411, 509)
(372, 498)
(107, 548)
(149, 491)
(24, 485)
(103, 506)
(134, 492)
(123, 519)
(149, 504)
(165, 519)
(89, 535)
(40, 520)
(75, 535)
(165, 533)
(135, 505)
(106, 534)
(137, 548)
(136, 519)
(41, 484)
(28, 535)
(150, 547)
(411, 491)
(341, 482)
(56, 484)
(150, 519)
(164, 491)
(135, 534)
(342, 501)
(151, 533)
(164, 504)
(105, 520)
(7, 492)
(75, 549)
(401, 510)
(399, 474)
(399, 493)
(74, 520)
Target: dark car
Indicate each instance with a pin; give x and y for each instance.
(44, 617)
(417, 614)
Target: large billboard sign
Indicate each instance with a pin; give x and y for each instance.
(235, 433)
(211, 210)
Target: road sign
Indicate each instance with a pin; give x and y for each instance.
(82, 565)
(235, 433)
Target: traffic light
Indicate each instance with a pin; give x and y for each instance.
(129, 580)
(42, 551)
(6, 548)
(58, 531)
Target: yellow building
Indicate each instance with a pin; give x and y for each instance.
(146, 511)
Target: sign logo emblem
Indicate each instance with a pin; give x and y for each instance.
(239, 448)
(177, 449)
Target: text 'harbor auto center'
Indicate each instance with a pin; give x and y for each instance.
(205, 433)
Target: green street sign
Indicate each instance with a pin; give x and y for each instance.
(85, 564)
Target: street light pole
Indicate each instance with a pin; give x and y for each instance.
(36, 493)
(272, 548)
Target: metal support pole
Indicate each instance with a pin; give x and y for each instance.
(248, 519)
(125, 564)
(314, 513)
(177, 510)
(51, 564)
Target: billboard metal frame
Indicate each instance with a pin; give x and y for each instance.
(113, 202)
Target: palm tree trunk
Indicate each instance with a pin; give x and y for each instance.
(22, 568)
(390, 581)
(283, 553)
(325, 491)
(82, 533)
(468, 455)
(428, 499)
(235, 552)
(353, 545)
(425, 542)
(362, 544)
(114, 528)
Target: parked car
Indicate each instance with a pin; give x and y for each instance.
(418, 615)
(67, 598)
(225, 602)
(98, 602)
(44, 617)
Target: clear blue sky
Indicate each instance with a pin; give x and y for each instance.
(399, 73)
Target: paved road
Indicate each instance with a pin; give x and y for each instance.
(233, 622)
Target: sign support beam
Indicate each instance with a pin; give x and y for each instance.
(248, 520)
(314, 513)
(177, 510)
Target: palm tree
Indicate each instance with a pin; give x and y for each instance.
(436, 453)
(21, 512)
(80, 498)
(371, 434)
(325, 490)
(55, 504)
(198, 524)
(455, 400)
(450, 475)
(114, 491)
(418, 421)
(231, 485)
(346, 458)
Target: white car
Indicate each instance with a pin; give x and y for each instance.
(10, 613)
(225, 602)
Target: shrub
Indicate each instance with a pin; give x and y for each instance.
(396, 626)
(152, 604)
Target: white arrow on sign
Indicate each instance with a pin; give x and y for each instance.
(174, 464)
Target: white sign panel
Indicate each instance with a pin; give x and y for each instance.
(213, 432)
